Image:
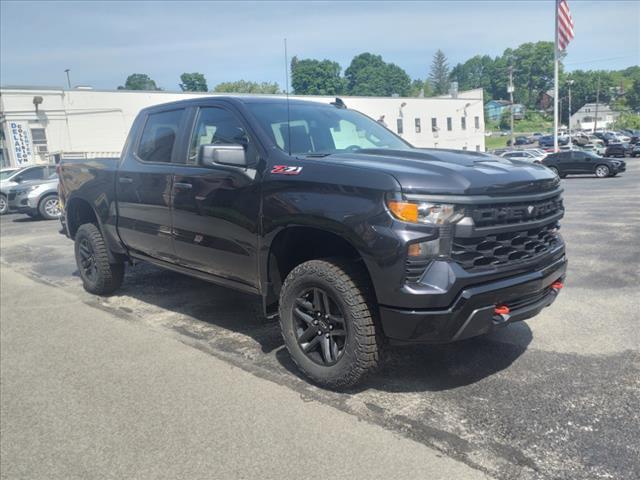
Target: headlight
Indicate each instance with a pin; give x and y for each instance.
(416, 211)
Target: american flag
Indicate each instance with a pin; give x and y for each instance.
(565, 25)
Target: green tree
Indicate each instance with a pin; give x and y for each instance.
(633, 96)
(480, 72)
(243, 86)
(585, 90)
(417, 88)
(139, 81)
(505, 120)
(316, 77)
(533, 71)
(193, 82)
(439, 74)
(370, 75)
(628, 120)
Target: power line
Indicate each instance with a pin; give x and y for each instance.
(600, 60)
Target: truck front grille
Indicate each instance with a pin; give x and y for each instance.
(514, 213)
(488, 251)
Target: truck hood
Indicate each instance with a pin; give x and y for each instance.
(453, 172)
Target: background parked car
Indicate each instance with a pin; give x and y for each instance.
(13, 177)
(524, 155)
(615, 150)
(36, 198)
(520, 140)
(598, 148)
(635, 152)
(547, 141)
(581, 162)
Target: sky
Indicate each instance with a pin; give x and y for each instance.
(103, 42)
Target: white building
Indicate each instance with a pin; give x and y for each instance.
(585, 118)
(38, 122)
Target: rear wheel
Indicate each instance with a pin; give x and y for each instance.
(49, 207)
(602, 171)
(4, 205)
(327, 316)
(98, 275)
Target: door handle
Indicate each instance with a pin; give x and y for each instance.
(182, 186)
(125, 180)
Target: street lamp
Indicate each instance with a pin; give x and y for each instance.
(569, 83)
(68, 79)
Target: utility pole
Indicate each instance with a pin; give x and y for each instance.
(510, 90)
(68, 78)
(595, 119)
(569, 83)
(556, 89)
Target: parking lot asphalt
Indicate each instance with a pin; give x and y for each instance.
(555, 397)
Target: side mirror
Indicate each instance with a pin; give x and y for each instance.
(233, 155)
(18, 179)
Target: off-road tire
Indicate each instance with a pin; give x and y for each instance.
(42, 207)
(349, 285)
(108, 276)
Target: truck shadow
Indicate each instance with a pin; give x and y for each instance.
(433, 368)
(412, 368)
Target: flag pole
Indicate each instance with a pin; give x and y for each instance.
(556, 92)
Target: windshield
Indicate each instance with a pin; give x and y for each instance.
(6, 174)
(322, 130)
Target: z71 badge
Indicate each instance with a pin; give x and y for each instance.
(286, 170)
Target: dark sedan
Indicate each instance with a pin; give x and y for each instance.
(616, 150)
(547, 141)
(581, 162)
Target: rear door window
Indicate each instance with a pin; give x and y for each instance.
(159, 136)
(37, 173)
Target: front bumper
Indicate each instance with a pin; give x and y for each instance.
(472, 312)
(23, 202)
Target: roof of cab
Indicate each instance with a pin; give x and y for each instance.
(237, 99)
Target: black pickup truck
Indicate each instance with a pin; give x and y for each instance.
(349, 234)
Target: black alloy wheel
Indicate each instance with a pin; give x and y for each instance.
(87, 260)
(320, 326)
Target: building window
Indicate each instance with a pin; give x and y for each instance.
(399, 125)
(463, 123)
(418, 129)
(434, 124)
(449, 124)
(464, 148)
(38, 136)
(476, 121)
(477, 146)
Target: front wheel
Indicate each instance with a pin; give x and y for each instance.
(98, 275)
(4, 205)
(328, 321)
(602, 171)
(49, 207)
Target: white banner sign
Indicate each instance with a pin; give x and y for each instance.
(21, 144)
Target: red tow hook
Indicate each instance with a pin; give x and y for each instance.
(501, 310)
(557, 285)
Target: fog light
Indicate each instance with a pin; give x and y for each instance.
(424, 249)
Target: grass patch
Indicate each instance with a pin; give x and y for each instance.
(491, 143)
